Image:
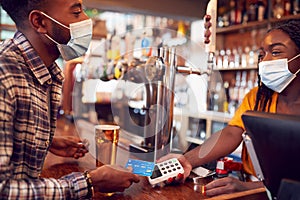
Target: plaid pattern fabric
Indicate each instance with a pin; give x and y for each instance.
(25, 128)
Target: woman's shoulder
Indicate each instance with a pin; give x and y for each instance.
(254, 90)
(252, 93)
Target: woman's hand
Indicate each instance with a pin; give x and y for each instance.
(68, 146)
(187, 167)
(229, 185)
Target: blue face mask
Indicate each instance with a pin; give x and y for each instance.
(81, 36)
(275, 74)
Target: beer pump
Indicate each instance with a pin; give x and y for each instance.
(157, 77)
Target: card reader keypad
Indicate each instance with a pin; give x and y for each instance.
(165, 170)
(170, 166)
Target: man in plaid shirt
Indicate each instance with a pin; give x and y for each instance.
(30, 92)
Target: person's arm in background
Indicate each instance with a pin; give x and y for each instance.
(220, 144)
(225, 141)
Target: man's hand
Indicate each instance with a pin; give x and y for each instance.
(108, 178)
(68, 146)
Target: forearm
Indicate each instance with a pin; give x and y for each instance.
(197, 158)
(220, 144)
(193, 157)
(72, 186)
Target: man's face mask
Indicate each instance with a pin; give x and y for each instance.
(81, 36)
(275, 74)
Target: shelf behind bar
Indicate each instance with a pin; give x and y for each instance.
(235, 69)
(243, 27)
(254, 24)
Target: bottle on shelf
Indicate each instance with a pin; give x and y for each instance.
(129, 46)
(260, 10)
(220, 22)
(296, 7)
(235, 13)
(236, 58)
(242, 87)
(244, 12)
(221, 59)
(219, 98)
(226, 59)
(227, 97)
(146, 44)
(226, 21)
(251, 80)
(251, 61)
(234, 93)
(244, 58)
(231, 58)
(252, 12)
(231, 12)
(278, 9)
(221, 13)
(216, 97)
(238, 11)
(113, 51)
(287, 7)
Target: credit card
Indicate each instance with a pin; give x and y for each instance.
(140, 167)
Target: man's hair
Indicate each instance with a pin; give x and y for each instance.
(264, 94)
(19, 10)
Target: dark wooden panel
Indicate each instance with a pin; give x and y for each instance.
(177, 9)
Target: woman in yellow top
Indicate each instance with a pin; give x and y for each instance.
(278, 92)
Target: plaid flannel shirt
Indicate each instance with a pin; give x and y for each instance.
(25, 129)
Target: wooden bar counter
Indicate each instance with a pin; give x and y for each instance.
(56, 167)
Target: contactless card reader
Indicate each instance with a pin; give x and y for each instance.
(165, 170)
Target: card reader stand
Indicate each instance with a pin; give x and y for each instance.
(253, 156)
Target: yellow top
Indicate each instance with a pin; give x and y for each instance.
(248, 104)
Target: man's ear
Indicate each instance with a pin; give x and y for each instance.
(37, 21)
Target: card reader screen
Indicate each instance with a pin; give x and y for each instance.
(156, 173)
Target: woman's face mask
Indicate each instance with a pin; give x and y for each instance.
(81, 36)
(275, 74)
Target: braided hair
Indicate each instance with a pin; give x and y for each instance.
(264, 94)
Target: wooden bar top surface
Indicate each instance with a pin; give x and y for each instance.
(56, 167)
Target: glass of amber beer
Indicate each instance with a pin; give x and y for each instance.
(106, 137)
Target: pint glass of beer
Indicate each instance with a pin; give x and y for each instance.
(106, 137)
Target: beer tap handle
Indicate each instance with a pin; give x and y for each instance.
(190, 70)
(210, 26)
